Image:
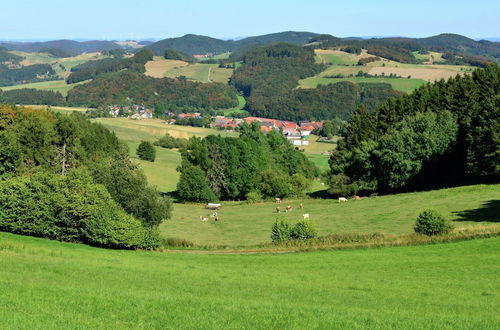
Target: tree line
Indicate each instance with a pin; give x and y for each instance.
(26, 74)
(443, 133)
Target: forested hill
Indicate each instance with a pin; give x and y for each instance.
(69, 47)
(197, 44)
(172, 94)
(269, 77)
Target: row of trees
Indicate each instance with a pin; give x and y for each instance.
(442, 133)
(31, 96)
(66, 178)
(227, 168)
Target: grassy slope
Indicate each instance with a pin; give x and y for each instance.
(159, 66)
(55, 285)
(55, 85)
(245, 225)
(344, 64)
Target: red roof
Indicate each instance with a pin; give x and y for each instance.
(286, 124)
(249, 120)
(265, 129)
(307, 128)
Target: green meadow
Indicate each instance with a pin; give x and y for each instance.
(54, 85)
(245, 224)
(70, 286)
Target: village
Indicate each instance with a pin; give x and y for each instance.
(297, 133)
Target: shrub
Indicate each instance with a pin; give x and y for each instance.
(281, 231)
(430, 222)
(146, 151)
(304, 229)
(254, 197)
(70, 208)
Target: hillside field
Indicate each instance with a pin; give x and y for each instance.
(54, 85)
(245, 224)
(159, 66)
(201, 72)
(342, 63)
(61, 285)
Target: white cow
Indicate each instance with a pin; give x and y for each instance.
(342, 199)
(305, 216)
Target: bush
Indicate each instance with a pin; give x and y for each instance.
(281, 231)
(146, 151)
(254, 197)
(430, 223)
(70, 208)
(304, 229)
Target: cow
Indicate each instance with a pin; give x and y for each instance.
(278, 210)
(202, 218)
(277, 200)
(288, 208)
(305, 216)
(357, 198)
(301, 205)
(342, 199)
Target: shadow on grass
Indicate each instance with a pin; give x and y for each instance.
(488, 212)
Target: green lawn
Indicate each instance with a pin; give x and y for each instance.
(47, 284)
(250, 224)
(401, 84)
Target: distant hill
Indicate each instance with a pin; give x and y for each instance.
(198, 44)
(191, 44)
(69, 47)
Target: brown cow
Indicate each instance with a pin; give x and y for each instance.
(278, 210)
(288, 208)
(301, 205)
(357, 198)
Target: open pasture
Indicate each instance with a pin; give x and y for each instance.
(336, 57)
(61, 285)
(159, 66)
(53, 85)
(197, 71)
(245, 224)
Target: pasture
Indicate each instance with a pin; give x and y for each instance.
(342, 63)
(54, 85)
(61, 285)
(245, 224)
(159, 66)
(201, 72)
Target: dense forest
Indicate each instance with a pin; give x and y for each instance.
(442, 133)
(253, 166)
(31, 96)
(63, 177)
(92, 69)
(127, 87)
(25, 74)
(330, 101)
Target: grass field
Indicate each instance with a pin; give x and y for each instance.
(57, 285)
(201, 72)
(159, 66)
(55, 85)
(336, 57)
(250, 224)
(65, 110)
(400, 84)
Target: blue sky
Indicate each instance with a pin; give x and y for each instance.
(122, 19)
